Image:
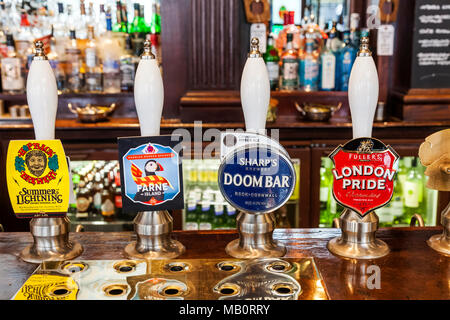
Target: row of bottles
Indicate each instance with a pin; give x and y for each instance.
(96, 186)
(410, 196)
(308, 58)
(87, 53)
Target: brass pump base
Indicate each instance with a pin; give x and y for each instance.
(153, 230)
(255, 237)
(358, 239)
(51, 241)
(441, 242)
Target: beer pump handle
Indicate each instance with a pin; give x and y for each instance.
(149, 93)
(363, 91)
(255, 90)
(42, 95)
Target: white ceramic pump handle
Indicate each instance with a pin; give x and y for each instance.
(42, 95)
(363, 91)
(149, 93)
(255, 90)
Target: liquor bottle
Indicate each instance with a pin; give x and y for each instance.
(346, 58)
(124, 17)
(93, 69)
(288, 27)
(324, 195)
(327, 80)
(412, 194)
(82, 24)
(74, 62)
(289, 66)
(111, 59)
(97, 189)
(128, 65)
(59, 26)
(336, 43)
(205, 216)
(231, 216)
(84, 201)
(100, 21)
(218, 219)
(11, 69)
(107, 201)
(117, 194)
(138, 29)
(57, 65)
(272, 60)
(119, 20)
(310, 66)
(191, 217)
(155, 32)
(354, 33)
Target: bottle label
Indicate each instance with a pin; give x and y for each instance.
(98, 200)
(323, 194)
(91, 57)
(11, 74)
(127, 73)
(290, 69)
(205, 226)
(411, 194)
(273, 69)
(107, 208)
(82, 204)
(111, 66)
(328, 71)
(191, 226)
(118, 201)
(311, 72)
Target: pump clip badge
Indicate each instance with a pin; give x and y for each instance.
(363, 174)
(151, 174)
(37, 176)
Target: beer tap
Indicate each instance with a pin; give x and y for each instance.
(255, 225)
(50, 235)
(358, 233)
(153, 228)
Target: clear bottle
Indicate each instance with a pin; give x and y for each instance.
(336, 44)
(191, 215)
(84, 201)
(218, 219)
(231, 216)
(272, 60)
(346, 58)
(128, 65)
(74, 64)
(289, 66)
(57, 65)
(110, 54)
(412, 194)
(310, 66)
(82, 24)
(107, 208)
(11, 69)
(288, 27)
(92, 62)
(59, 23)
(327, 68)
(97, 189)
(100, 21)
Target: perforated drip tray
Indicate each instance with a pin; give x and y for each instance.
(195, 279)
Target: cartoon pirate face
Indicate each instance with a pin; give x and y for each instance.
(36, 162)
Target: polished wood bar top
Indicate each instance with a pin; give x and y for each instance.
(412, 270)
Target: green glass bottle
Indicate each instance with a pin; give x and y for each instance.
(272, 60)
(205, 217)
(218, 219)
(191, 217)
(231, 216)
(324, 194)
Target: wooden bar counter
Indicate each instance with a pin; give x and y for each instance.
(411, 271)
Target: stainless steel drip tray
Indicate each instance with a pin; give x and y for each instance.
(190, 279)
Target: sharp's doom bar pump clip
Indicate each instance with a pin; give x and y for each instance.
(150, 170)
(434, 153)
(38, 174)
(364, 168)
(256, 175)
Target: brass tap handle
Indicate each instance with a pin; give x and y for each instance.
(417, 218)
(364, 50)
(79, 228)
(147, 54)
(39, 51)
(254, 48)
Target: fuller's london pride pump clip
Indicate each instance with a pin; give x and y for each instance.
(37, 176)
(151, 172)
(363, 174)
